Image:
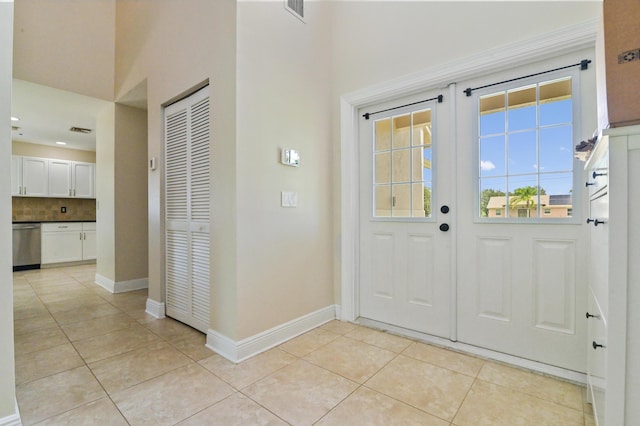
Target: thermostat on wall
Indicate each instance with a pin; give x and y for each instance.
(290, 157)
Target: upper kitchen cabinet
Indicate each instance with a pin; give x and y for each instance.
(71, 179)
(29, 176)
(44, 177)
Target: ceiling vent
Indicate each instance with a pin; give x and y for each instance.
(80, 130)
(296, 7)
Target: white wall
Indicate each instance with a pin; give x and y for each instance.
(7, 375)
(285, 255)
(176, 48)
(68, 45)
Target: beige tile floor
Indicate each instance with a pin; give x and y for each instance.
(88, 357)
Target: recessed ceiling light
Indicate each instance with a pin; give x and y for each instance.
(15, 119)
(61, 143)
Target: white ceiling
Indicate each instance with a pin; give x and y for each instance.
(46, 114)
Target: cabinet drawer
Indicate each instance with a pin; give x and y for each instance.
(88, 226)
(62, 227)
(596, 369)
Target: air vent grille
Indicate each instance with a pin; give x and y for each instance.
(80, 130)
(296, 7)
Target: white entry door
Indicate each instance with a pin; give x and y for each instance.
(522, 247)
(405, 257)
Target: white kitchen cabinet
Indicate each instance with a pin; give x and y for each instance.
(45, 177)
(35, 177)
(68, 242)
(83, 179)
(59, 178)
(613, 372)
(89, 246)
(71, 179)
(16, 175)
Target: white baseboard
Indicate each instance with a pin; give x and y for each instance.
(12, 420)
(121, 286)
(246, 348)
(155, 309)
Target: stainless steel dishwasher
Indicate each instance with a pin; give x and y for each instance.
(26, 246)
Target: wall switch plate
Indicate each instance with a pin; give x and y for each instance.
(289, 199)
(290, 157)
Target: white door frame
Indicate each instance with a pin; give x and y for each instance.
(556, 43)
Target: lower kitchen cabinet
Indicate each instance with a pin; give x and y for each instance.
(68, 242)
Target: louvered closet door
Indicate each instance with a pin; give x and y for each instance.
(187, 214)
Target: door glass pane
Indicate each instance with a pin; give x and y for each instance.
(522, 109)
(418, 166)
(383, 135)
(522, 153)
(426, 199)
(556, 149)
(383, 167)
(401, 131)
(422, 127)
(382, 200)
(555, 102)
(558, 198)
(401, 200)
(492, 114)
(401, 165)
(523, 196)
(492, 156)
(493, 197)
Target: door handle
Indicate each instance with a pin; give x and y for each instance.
(444, 227)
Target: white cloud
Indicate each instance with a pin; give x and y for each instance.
(487, 165)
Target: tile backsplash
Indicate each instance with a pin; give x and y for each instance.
(38, 209)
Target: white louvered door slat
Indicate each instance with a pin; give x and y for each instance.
(187, 210)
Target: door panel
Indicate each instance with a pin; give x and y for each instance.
(405, 259)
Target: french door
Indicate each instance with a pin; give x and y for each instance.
(405, 246)
(503, 269)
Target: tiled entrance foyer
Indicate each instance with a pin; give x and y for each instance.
(88, 357)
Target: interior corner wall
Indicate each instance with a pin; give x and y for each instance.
(177, 48)
(105, 193)
(7, 370)
(66, 44)
(285, 255)
(130, 187)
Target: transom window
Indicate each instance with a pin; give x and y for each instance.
(402, 165)
(525, 147)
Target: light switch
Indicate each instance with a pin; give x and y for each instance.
(289, 199)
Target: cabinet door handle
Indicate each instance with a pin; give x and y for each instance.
(596, 174)
(69, 192)
(85, 235)
(74, 192)
(588, 184)
(596, 345)
(588, 315)
(595, 222)
(81, 236)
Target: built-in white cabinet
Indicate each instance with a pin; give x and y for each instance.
(68, 242)
(29, 176)
(613, 373)
(46, 177)
(71, 179)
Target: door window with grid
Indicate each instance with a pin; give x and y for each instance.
(403, 165)
(525, 143)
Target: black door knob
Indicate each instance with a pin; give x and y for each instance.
(444, 209)
(444, 227)
(596, 345)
